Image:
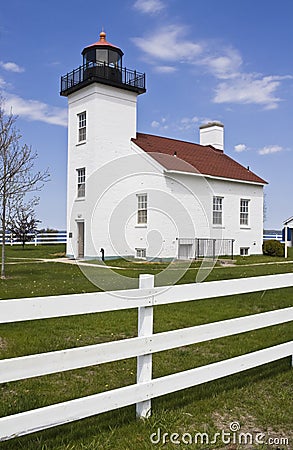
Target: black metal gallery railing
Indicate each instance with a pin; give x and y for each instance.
(102, 72)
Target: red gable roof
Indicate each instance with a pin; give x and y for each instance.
(194, 158)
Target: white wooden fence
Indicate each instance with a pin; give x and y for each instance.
(59, 237)
(143, 346)
(274, 236)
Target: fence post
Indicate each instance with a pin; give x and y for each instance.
(144, 362)
(36, 240)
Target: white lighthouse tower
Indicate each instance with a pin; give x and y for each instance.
(102, 98)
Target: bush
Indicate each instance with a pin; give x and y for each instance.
(273, 248)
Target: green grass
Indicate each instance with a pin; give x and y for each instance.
(260, 399)
(256, 259)
(31, 251)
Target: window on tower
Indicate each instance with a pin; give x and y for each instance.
(81, 126)
(142, 205)
(81, 182)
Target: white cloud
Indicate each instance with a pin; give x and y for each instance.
(189, 120)
(270, 149)
(165, 69)
(187, 123)
(2, 82)
(182, 124)
(250, 88)
(149, 6)
(35, 110)
(168, 44)
(240, 148)
(161, 124)
(226, 65)
(11, 67)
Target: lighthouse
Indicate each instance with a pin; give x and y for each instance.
(102, 100)
(137, 195)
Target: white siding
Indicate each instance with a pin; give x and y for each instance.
(111, 123)
(179, 205)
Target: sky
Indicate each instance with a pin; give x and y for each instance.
(228, 61)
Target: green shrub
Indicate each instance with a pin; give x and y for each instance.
(273, 248)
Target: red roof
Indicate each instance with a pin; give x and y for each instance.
(102, 41)
(194, 158)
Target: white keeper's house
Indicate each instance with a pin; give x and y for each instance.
(138, 195)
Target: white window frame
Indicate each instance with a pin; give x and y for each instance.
(81, 177)
(217, 210)
(244, 251)
(82, 119)
(244, 212)
(140, 253)
(142, 209)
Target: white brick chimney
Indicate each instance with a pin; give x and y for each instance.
(212, 133)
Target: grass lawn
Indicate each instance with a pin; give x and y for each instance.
(259, 399)
(30, 251)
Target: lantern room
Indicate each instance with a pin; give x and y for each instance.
(102, 63)
(102, 52)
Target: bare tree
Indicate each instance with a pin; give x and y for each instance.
(17, 175)
(22, 222)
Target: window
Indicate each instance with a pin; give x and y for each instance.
(81, 126)
(81, 182)
(244, 211)
(244, 251)
(217, 210)
(140, 253)
(142, 204)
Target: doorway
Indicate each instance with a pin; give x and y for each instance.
(185, 251)
(80, 240)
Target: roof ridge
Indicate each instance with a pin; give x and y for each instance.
(171, 139)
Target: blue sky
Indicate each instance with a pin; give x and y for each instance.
(229, 61)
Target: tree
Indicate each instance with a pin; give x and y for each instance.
(17, 175)
(22, 222)
(48, 230)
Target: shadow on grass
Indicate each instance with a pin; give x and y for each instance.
(118, 429)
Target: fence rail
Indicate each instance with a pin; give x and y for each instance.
(60, 237)
(200, 247)
(275, 236)
(143, 346)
